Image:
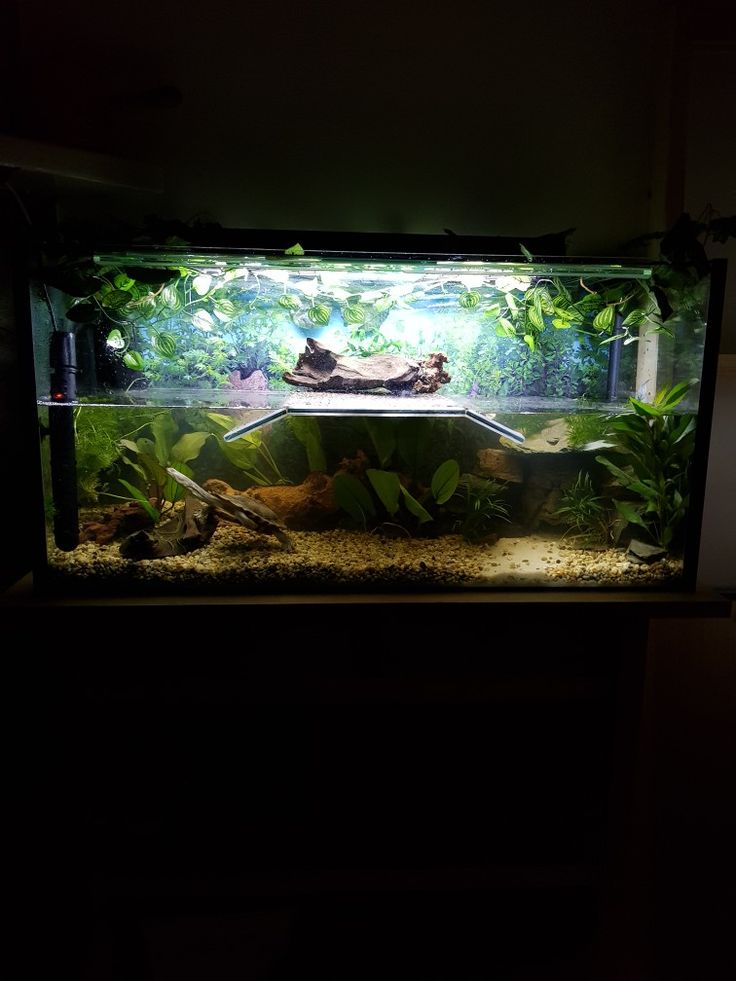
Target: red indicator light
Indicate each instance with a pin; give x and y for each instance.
(58, 396)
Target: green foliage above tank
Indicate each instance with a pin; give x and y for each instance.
(203, 321)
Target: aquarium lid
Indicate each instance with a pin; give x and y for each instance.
(220, 262)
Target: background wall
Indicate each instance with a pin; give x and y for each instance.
(482, 117)
(488, 119)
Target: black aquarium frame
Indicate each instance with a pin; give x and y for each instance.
(381, 247)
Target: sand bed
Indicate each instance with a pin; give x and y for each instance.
(320, 560)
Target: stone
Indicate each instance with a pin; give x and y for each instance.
(256, 381)
(303, 507)
(643, 553)
(501, 465)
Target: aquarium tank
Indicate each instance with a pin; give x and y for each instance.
(245, 420)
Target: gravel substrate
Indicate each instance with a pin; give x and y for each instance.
(335, 559)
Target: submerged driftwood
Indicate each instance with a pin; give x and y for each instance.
(320, 369)
(239, 508)
(195, 525)
(190, 529)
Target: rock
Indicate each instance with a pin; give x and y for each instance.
(303, 507)
(256, 381)
(123, 519)
(552, 439)
(644, 554)
(547, 477)
(501, 465)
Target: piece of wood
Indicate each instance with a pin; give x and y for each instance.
(323, 370)
(238, 508)
(183, 533)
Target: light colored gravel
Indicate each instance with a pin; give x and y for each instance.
(238, 557)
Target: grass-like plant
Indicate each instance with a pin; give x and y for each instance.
(584, 513)
(479, 506)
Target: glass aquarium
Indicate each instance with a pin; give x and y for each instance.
(245, 420)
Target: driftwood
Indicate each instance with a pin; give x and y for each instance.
(190, 529)
(238, 508)
(322, 370)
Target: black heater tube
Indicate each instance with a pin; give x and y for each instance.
(61, 440)
(614, 361)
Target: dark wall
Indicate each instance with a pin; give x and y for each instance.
(488, 119)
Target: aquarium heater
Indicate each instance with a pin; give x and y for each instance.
(63, 377)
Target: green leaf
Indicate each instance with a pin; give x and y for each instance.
(630, 513)
(242, 272)
(164, 431)
(319, 314)
(413, 505)
(203, 320)
(621, 475)
(383, 436)
(644, 408)
(529, 341)
(535, 317)
(307, 431)
(115, 299)
(645, 490)
(604, 319)
(387, 485)
(526, 252)
(225, 309)
(634, 319)
(201, 284)
(685, 427)
(115, 340)
(668, 398)
(353, 497)
(171, 298)
(445, 480)
(225, 422)
(295, 249)
(133, 360)
(188, 446)
(141, 498)
(166, 345)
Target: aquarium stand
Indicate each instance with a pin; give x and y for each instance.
(373, 405)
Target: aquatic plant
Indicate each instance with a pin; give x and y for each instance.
(655, 447)
(307, 431)
(354, 497)
(479, 505)
(584, 512)
(97, 431)
(586, 427)
(150, 455)
(249, 453)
